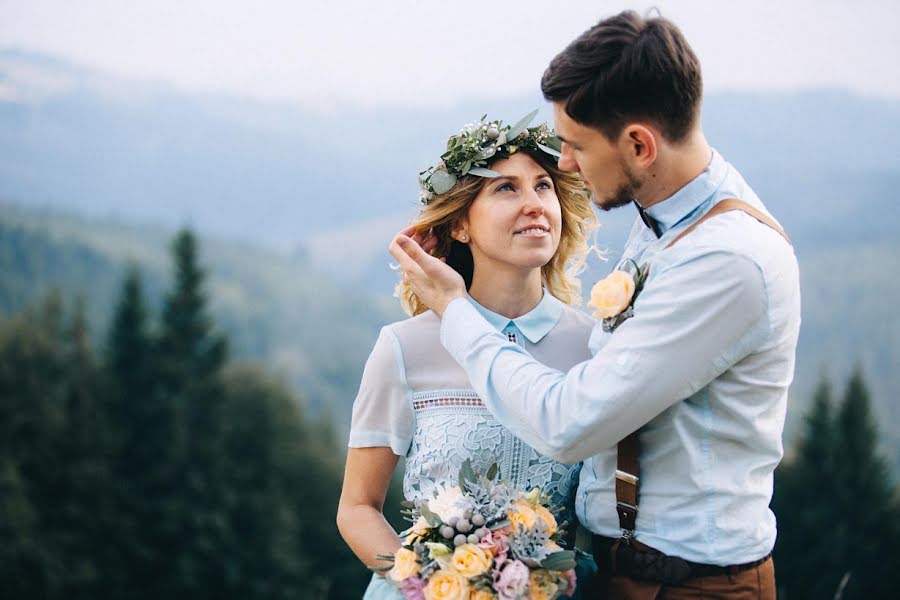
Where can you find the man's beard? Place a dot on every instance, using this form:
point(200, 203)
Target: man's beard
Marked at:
point(624, 195)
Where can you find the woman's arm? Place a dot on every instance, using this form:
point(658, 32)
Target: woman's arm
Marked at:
point(359, 517)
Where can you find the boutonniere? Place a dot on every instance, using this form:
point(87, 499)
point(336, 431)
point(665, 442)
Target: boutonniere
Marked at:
point(613, 296)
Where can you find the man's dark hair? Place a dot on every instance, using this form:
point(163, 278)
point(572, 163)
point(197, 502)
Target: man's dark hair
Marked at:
point(628, 68)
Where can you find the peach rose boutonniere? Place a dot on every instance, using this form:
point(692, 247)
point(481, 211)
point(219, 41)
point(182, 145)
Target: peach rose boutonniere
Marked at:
point(613, 296)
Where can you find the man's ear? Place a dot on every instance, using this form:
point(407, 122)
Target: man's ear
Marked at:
point(639, 144)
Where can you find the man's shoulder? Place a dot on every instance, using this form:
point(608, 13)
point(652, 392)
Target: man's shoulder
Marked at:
point(736, 234)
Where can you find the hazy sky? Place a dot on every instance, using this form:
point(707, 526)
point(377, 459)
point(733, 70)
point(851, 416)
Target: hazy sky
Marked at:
point(421, 53)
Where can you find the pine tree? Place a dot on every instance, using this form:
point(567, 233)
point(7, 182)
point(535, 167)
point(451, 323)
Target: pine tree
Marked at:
point(191, 356)
point(865, 497)
point(144, 426)
point(85, 448)
point(129, 344)
point(836, 516)
point(803, 503)
point(190, 348)
point(27, 426)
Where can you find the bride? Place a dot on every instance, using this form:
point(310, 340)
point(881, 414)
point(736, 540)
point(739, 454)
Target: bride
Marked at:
point(513, 225)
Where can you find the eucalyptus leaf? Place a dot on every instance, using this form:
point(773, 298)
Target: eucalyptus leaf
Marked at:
point(559, 561)
point(487, 152)
point(493, 469)
point(521, 125)
point(431, 518)
point(482, 172)
point(467, 474)
point(442, 182)
point(549, 150)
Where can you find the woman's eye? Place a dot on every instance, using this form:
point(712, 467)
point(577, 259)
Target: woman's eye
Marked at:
point(506, 187)
point(544, 185)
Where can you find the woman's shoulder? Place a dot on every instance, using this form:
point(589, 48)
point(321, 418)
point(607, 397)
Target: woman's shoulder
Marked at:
point(575, 319)
point(424, 326)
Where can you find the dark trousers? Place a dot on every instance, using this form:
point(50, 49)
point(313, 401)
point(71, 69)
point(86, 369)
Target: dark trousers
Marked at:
point(755, 583)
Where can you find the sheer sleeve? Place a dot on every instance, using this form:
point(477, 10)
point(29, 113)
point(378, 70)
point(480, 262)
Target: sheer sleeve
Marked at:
point(382, 412)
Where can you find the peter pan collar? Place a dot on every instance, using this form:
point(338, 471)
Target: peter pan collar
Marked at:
point(534, 324)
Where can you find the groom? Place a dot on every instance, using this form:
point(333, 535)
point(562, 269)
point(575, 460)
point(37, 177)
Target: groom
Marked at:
point(678, 417)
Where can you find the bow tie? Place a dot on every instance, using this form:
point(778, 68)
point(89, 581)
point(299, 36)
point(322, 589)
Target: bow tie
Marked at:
point(648, 220)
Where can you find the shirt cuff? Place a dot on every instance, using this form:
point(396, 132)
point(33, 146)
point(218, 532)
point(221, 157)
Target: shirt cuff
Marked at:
point(461, 326)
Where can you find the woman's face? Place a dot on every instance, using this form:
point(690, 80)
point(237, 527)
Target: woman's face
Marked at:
point(515, 220)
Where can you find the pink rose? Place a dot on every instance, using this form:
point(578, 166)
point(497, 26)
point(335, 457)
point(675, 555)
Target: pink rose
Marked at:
point(413, 588)
point(495, 542)
point(513, 580)
point(570, 576)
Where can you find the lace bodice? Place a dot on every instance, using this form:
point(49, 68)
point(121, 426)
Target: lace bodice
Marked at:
point(452, 426)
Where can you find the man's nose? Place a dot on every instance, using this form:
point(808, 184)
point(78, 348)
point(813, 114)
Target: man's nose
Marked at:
point(567, 159)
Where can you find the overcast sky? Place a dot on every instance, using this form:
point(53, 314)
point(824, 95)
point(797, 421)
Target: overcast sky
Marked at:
point(368, 54)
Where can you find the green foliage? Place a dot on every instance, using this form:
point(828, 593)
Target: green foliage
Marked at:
point(273, 308)
point(160, 469)
point(838, 514)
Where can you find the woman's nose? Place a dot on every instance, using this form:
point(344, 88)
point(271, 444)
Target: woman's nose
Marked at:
point(532, 203)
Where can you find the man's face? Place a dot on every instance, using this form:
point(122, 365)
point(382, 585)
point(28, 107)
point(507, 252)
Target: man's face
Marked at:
point(600, 162)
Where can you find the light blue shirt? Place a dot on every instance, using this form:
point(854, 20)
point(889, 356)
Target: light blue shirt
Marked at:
point(702, 369)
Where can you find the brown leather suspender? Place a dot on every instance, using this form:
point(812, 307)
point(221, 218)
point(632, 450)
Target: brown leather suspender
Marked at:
point(729, 205)
point(627, 467)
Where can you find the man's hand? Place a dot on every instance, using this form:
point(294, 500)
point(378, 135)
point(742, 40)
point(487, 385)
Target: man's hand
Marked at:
point(434, 282)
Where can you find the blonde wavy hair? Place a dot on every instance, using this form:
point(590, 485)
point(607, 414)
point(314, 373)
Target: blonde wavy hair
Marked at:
point(560, 275)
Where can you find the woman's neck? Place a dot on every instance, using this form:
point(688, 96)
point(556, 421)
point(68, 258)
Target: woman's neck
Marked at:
point(511, 293)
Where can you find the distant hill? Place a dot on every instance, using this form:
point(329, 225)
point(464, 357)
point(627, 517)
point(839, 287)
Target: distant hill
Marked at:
point(277, 310)
point(277, 175)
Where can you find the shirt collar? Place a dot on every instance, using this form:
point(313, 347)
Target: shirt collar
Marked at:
point(674, 209)
point(534, 324)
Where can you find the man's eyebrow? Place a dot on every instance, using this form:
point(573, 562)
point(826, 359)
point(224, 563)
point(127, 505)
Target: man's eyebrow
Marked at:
point(562, 139)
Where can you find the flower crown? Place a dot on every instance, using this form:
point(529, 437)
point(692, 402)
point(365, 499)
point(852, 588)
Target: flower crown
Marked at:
point(479, 143)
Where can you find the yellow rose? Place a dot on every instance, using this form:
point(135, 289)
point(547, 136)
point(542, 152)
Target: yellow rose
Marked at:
point(547, 518)
point(542, 585)
point(523, 514)
point(612, 295)
point(447, 585)
point(418, 529)
point(470, 560)
point(482, 595)
point(405, 565)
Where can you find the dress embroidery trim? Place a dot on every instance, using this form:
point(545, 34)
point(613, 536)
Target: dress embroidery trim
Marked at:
point(427, 403)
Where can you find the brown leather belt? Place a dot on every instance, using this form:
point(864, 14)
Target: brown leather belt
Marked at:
point(641, 562)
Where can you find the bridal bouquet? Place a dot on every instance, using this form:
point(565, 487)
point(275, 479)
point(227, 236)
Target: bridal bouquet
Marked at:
point(482, 539)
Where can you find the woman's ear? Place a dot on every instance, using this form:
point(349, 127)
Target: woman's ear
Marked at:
point(459, 232)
